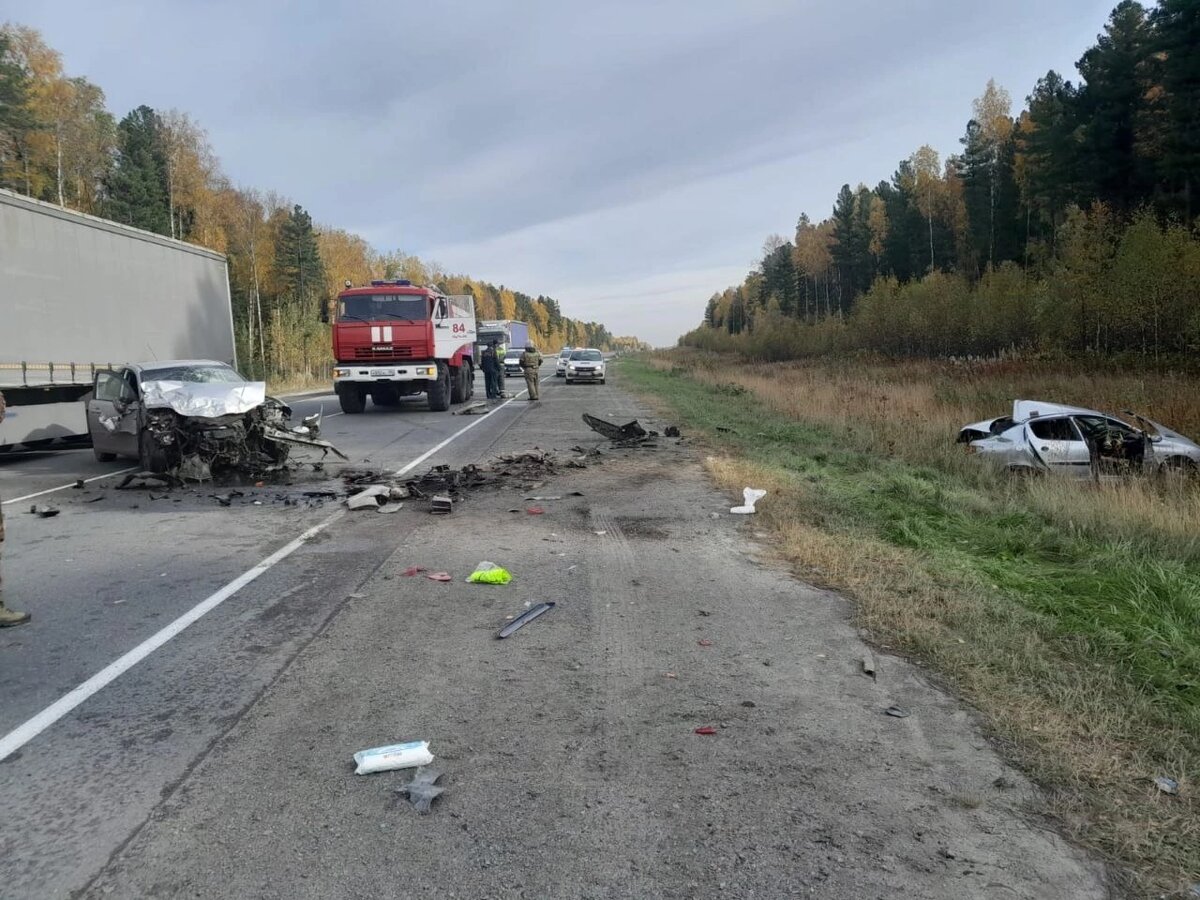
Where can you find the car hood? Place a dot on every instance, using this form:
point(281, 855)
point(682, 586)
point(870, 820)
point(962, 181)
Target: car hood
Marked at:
point(207, 401)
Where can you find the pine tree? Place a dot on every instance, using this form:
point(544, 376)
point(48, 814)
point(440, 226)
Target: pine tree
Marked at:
point(1177, 39)
point(137, 188)
point(299, 272)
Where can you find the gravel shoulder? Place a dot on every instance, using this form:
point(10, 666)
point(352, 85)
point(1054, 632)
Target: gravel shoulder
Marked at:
point(572, 764)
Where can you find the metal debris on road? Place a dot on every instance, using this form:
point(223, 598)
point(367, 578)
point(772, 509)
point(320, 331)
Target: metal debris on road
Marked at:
point(374, 496)
point(898, 712)
point(629, 434)
point(441, 505)
point(43, 512)
point(226, 499)
point(525, 618)
point(135, 480)
point(423, 789)
point(408, 755)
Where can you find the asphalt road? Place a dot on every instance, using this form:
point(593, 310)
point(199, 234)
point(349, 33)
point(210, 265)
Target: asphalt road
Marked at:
point(219, 764)
point(115, 567)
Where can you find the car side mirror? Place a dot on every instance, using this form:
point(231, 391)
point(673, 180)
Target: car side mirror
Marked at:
point(324, 313)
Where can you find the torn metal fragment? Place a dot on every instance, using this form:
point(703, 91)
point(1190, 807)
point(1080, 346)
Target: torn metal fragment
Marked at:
point(525, 618)
point(441, 505)
point(630, 431)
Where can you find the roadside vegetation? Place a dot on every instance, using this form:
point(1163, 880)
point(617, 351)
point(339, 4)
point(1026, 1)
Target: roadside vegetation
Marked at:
point(155, 169)
point(1068, 613)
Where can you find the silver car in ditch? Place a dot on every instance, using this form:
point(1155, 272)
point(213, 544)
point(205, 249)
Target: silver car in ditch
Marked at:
point(196, 413)
point(1041, 437)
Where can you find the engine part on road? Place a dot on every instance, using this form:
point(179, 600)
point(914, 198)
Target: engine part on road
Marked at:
point(525, 618)
point(423, 789)
point(408, 755)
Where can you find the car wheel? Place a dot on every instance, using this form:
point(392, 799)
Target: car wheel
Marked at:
point(154, 458)
point(1178, 467)
point(101, 456)
point(602, 381)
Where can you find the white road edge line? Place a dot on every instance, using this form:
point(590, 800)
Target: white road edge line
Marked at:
point(31, 728)
point(72, 484)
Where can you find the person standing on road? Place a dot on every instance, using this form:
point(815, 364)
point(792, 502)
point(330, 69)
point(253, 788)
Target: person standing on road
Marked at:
point(490, 363)
point(531, 362)
point(7, 616)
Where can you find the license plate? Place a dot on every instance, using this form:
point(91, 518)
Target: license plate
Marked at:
point(382, 373)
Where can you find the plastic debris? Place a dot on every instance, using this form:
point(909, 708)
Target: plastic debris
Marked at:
point(535, 511)
point(898, 712)
point(525, 618)
point(750, 496)
point(408, 755)
point(373, 496)
point(705, 729)
point(670, 675)
point(440, 576)
point(600, 533)
point(489, 573)
point(413, 570)
point(43, 512)
point(423, 789)
point(540, 499)
point(1167, 785)
point(390, 508)
point(704, 642)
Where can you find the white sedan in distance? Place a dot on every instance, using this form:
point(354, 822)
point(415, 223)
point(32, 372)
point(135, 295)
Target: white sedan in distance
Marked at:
point(585, 365)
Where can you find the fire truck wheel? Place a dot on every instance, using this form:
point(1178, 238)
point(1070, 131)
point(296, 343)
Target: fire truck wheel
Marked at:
point(352, 398)
point(439, 390)
point(461, 381)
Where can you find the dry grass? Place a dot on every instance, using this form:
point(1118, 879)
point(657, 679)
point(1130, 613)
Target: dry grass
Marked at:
point(1077, 642)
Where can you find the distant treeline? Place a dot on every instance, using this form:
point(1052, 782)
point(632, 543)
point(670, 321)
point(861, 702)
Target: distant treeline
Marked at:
point(1069, 228)
point(155, 170)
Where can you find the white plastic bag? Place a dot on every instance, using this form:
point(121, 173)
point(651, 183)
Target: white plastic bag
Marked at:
point(394, 756)
point(750, 496)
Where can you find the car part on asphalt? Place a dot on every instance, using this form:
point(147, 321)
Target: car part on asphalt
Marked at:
point(441, 504)
point(898, 712)
point(630, 432)
point(43, 512)
point(408, 755)
point(525, 618)
point(423, 789)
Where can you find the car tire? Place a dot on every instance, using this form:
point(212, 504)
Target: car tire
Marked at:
point(153, 457)
point(460, 384)
point(101, 456)
point(438, 392)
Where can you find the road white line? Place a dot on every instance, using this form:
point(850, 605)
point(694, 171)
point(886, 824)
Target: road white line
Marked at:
point(72, 484)
point(28, 730)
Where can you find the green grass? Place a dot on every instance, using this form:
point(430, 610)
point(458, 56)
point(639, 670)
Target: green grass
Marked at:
point(1116, 615)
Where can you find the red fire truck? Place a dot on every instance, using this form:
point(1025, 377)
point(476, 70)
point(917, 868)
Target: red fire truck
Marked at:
point(394, 339)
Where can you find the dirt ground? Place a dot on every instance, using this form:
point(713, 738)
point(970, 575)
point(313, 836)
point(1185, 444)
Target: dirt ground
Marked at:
point(572, 764)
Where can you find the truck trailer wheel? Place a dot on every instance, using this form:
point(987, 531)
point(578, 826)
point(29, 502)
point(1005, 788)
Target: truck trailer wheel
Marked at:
point(352, 398)
point(438, 391)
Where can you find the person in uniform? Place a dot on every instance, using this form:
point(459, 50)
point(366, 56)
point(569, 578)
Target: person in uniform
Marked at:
point(7, 616)
point(531, 362)
point(489, 362)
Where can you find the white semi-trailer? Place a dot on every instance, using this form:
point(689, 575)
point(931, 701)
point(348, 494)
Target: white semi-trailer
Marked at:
point(79, 294)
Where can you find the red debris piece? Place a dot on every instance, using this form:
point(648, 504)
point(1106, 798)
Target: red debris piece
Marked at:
point(440, 576)
point(706, 729)
point(704, 642)
point(413, 570)
point(535, 511)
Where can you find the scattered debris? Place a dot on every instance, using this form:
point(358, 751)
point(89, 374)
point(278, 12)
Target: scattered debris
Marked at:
point(525, 618)
point(600, 533)
point(1167, 785)
point(408, 755)
point(704, 642)
point(724, 430)
point(95, 499)
point(423, 789)
point(672, 431)
point(135, 480)
point(703, 612)
point(543, 499)
point(475, 409)
point(227, 499)
point(441, 505)
point(1003, 784)
point(629, 434)
point(413, 570)
point(43, 512)
point(489, 573)
point(79, 484)
point(390, 508)
point(535, 511)
point(868, 665)
point(374, 496)
point(750, 496)
point(749, 704)
point(898, 712)
point(670, 675)
point(440, 576)
point(705, 729)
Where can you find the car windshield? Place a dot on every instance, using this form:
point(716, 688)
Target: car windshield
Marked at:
point(384, 307)
point(202, 374)
point(565, 354)
point(587, 355)
point(512, 354)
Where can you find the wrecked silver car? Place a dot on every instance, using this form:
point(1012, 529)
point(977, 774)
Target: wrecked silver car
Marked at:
point(1041, 437)
point(190, 417)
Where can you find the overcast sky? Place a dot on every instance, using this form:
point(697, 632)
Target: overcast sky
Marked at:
point(628, 158)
